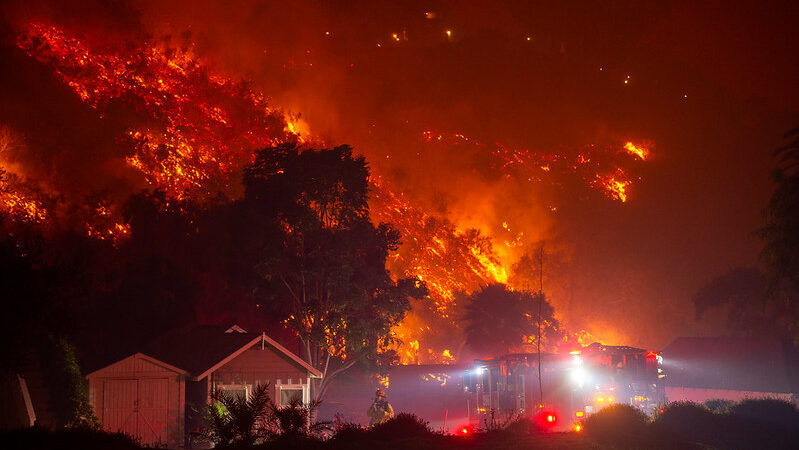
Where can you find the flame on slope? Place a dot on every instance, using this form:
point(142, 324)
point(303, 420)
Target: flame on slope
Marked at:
point(638, 150)
point(199, 128)
point(448, 259)
point(614, 185)
point(589, 162)
point(16, 199)
point(445, 257)
point(20, 207)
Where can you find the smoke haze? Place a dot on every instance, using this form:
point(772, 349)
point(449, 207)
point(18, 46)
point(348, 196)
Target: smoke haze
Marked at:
point(710, 89)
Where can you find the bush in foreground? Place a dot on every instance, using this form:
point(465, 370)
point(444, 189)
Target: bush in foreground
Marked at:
point(404, 426)
point(68, 438)
point(719, 405)
point(751, 424)
point(778, 412)
point(618, 424)
point(692, 422)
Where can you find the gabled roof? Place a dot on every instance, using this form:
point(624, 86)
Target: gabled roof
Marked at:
point(315, 373)
point(757, 365)
point(147, 358)
point(205, 348)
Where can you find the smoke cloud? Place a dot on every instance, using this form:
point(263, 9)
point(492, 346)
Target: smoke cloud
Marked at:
point(549, 79)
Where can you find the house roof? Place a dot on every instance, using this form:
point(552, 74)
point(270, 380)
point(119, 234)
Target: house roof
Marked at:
point(147, 358)
point(757, 365)
point(202, 349)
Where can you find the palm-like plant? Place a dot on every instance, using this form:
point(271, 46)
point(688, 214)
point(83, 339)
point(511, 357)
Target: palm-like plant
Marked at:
point(238, 419)
point(293, 421)
point(788, 154)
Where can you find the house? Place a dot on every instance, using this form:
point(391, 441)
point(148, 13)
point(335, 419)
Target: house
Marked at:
point(158, 395)
point(701, 369)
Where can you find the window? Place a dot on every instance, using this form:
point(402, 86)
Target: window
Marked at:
point(289, 395)
point(239, 390)
point(288, 392)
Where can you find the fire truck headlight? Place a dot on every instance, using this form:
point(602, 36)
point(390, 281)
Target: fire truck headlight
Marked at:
point(579, 376)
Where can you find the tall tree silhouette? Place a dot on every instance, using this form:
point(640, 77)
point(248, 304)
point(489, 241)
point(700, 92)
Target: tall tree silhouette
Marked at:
point(325, 275)
point(500, 320)
point(780, 231)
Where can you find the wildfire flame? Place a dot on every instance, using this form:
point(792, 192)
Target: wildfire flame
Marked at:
point(638, 151)
point(588, 162)
point(197, 128)
point(614, 185)
point(445, 257)
point(21, 208)
point(193, 129)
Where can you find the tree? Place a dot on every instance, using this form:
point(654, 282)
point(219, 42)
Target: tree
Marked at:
point(740, 294)
point(500, 320)
point(24, 301)
point(780, 231)
point(325, 275)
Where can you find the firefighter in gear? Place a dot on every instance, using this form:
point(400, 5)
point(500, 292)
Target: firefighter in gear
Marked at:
point(381, 410)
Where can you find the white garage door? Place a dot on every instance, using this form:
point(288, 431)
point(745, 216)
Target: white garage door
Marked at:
point(137, 407)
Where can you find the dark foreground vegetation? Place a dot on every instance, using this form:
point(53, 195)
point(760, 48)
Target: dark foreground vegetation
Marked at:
point(750, 424)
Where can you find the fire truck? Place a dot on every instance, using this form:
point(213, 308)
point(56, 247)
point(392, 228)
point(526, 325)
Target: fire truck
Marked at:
point(570, 385)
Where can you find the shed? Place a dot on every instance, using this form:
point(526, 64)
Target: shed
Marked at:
point(193, 362)
point(141, 396)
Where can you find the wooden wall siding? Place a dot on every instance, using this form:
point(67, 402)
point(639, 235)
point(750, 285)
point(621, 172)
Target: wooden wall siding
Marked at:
point(258, 366)
point(119, 406)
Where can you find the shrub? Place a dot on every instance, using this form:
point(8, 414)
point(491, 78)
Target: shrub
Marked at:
point(774, 411)
point(294, 420)
point(691, 422)
point(618, 424)
point(498, 421)
point(745, 427)
point(719, 405)
point(68, 396)
point(522, 426)
point(349, 432)
point(35, 438)
point(404, 426)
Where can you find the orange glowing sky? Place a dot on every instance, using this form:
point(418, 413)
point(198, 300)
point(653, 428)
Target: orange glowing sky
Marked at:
point(633, 140)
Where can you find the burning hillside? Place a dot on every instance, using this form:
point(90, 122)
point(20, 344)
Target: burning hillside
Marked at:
point(189, 132)
point(190, 129)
